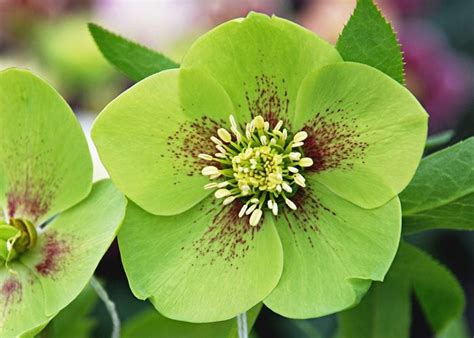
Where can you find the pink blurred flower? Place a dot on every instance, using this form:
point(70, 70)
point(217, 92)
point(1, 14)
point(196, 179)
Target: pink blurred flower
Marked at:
point(436, 74)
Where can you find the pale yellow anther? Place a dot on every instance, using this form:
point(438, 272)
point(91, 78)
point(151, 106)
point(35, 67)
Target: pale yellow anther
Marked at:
point(210, 186)
point(297, 144)
point(300, 136)
point(210, 170)
point(224, 135)
point(286, 187)
point(290, 204)
point(275, 209)
point(263, 139)
point(233, 123)
point(294, 156)
point(251, 209)
point(223, 184)
point(293, 170)
point(266, 125)
point(270, 204)
point(221, 149)
point(278, 125)
point(205, 157)
point(256, 216)
point(221, 193)
point(299, 179)
point(259, 122)
point(216, 140)
point(228, 200)
point(306, 162)
point(242, 210)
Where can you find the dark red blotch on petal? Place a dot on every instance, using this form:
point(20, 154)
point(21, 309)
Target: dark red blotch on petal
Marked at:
point(53, 253)
point(333, 140)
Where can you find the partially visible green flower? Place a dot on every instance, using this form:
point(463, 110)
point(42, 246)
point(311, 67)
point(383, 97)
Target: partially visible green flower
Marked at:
point(268, 170)
point(55, 229)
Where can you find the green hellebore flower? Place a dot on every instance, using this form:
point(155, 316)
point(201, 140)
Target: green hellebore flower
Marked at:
point(291, 201)
point(55, 229)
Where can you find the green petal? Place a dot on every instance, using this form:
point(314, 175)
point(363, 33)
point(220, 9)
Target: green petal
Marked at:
point(204, 265)
point(260, 61)
point(366, 132)
point(149, 138)
point(71, 246)
point(21, 301)
point(332, 251)
point(45, 165)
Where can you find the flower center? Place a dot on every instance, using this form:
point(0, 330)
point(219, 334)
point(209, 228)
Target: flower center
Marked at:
point(261, 166)
point(15, 238)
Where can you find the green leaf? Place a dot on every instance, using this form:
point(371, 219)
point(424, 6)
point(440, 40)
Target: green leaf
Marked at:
point(45, 164)
point(134, 60)
point(368, 38)
point(203, 265)
point(385, 310)
point(437, 290)
point(441, 195)
point(366, 130)
point(75, 321)
point(320, 242)
point(457, 329)
point(151, 324)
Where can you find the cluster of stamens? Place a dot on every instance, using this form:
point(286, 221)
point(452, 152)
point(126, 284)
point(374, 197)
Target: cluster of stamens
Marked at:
point(261, 166)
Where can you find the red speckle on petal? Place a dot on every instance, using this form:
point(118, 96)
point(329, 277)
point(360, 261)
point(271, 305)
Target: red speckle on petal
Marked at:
point(333, 141)
point(11, 291)
point(54, 251)
point(269, 99)
point(229, 237)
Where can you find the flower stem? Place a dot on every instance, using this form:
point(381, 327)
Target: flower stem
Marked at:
point(242, 325)
point(109, 305)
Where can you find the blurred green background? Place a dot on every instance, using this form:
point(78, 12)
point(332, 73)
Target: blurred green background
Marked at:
point(50, 37)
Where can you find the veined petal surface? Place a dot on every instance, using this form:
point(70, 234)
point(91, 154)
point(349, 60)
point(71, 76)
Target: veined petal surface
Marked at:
point(204, 265)
point(45, 165)
point(366, 132)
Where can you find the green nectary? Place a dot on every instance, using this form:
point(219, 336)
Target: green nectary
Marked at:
point(16, 238)
point(355, 137)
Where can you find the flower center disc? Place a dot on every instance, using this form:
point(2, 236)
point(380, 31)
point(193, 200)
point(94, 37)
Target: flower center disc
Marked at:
point(16, 238)
point(262, 166)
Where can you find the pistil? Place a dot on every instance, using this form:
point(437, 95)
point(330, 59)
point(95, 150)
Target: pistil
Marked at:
point(260, 166)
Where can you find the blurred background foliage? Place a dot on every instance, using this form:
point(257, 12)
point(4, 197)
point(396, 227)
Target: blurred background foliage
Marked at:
point(50, 37)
